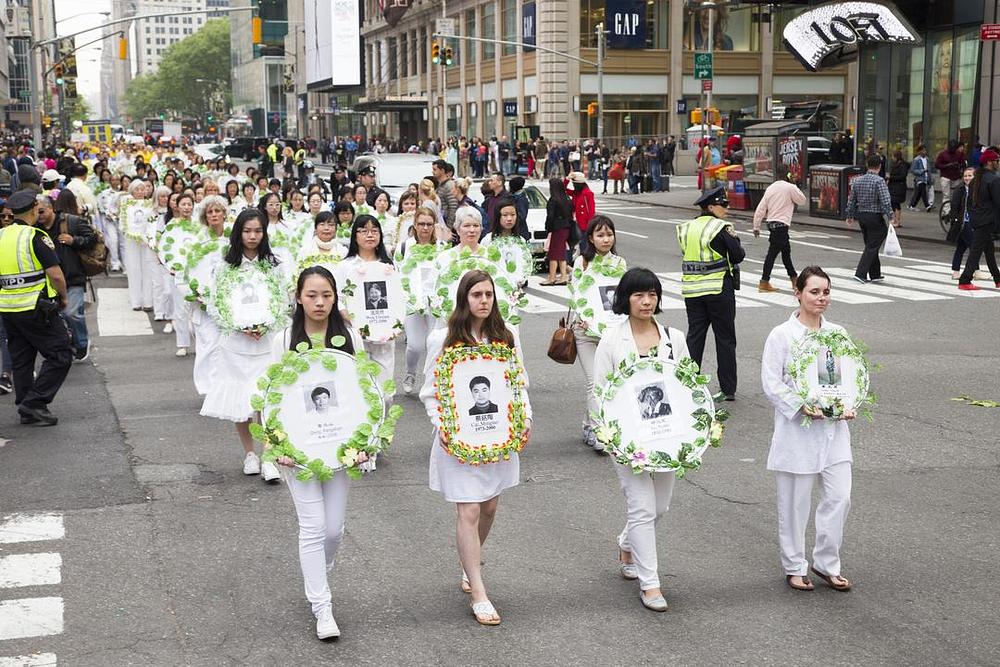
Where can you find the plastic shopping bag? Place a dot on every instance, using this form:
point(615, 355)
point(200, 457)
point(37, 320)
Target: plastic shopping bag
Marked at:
point(891, 247)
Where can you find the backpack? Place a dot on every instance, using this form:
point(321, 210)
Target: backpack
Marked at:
point(5, 183)
point(94, 259)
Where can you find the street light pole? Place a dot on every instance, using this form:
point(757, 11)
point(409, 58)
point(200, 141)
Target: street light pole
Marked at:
point(710, 6)
point(599, 29)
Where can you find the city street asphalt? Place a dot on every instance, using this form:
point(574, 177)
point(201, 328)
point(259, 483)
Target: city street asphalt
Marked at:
point(171, 556)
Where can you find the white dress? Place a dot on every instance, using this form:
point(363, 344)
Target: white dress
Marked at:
point(459, 482)
point(235, 365)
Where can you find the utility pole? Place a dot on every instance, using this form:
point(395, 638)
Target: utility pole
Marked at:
point(442, 72)
point(706, 117)
point(599, 29)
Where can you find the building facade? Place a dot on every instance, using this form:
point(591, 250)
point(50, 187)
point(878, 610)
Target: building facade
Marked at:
point(258, 70)
point(154, 36)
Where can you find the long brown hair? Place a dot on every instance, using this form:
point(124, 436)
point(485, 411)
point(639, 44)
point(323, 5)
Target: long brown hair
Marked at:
point(460, 322)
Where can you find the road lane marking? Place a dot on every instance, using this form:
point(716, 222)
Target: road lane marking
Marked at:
point(115, 316)
point(622, 231)
point(19, 570)
point(36, 660)
point(940, 279)
point(672, 284)
point(841, 293)
point(17, 528)
point(887, 290)
point(31, 617)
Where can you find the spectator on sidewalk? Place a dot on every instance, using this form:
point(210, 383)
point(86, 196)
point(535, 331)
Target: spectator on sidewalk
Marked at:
point(950, 163)
point(653, 162)
point(898, 169)
point(667, 156)
point(921, 170)
point(868, 204)
point(776, 208)
point(984, 207)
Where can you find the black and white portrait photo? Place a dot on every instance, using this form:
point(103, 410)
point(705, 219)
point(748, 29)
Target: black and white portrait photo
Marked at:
point(607, 296)
point(248, 294)
point(480, 387)
point(829, 368)
point(320, 398)
point(652, 401)
point(375, 295)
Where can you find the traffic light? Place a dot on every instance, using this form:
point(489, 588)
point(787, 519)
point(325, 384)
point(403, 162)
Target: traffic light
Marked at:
point(447, 56)
point(122, 48)
point(71, 67)
point(59, 70)
point(592, 109)
point(714, 116)
point(696, 117)
point(257, 30)
point(435, 52)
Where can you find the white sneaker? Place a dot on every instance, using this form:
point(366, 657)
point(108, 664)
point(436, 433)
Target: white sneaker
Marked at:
point(269, 472)
point(409, 382)
point(181, 352)
point(326, 626)
point(251, 464)
point(168, 328)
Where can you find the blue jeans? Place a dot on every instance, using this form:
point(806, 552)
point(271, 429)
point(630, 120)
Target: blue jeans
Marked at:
point(654, 172)
point(8, 365)
point(75, 316)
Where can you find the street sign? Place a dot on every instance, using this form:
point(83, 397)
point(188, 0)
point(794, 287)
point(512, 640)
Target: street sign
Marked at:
point(682, 106)
point(445, 27)
point(703, 65)
point(989, 32)
point(706, 85)
point(510, 109)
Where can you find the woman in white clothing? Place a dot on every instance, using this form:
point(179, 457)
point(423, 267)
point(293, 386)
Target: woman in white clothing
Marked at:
point(137, 215)
point(367, 248)
point(242, 357)
point(647, 495)
point(323, 241)
point(419, 321)
point(163, 301)
point(191, 316)
point(386, 220)
point(801, 456)
point(475, 490)
point(599, 251)
point(469, 227)
point(321, 506)
point(107, 204)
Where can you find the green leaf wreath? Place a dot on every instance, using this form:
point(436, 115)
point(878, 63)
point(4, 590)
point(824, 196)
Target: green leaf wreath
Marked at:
point(708, 421)
point(582, 280)
point(226, 280)
point(488, 260)
point(372, 436)
point(445, 393)
point(417, 255)
point(201, 251)
point(179, 238)
point(803, 355)
point(522, 248)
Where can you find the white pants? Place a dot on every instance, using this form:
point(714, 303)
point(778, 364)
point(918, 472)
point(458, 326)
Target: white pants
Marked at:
point(321, 507)
point(163, 292)
point(946, 186)
point(794, 503)
point(647, 497)
point(207, 337)
point(181, 315)
point(385, 354)
point(586, 349)
point(138, 258)
point(113, 240)
point(417, 328)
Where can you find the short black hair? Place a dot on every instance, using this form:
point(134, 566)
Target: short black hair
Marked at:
point(479, 379)
point(318, 391)
point(874, 161)
point(635, 280)
point(444, 166)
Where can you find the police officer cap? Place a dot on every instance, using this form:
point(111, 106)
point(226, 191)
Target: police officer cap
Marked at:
point(22, 201)
point(367, 171)
point(713, 196)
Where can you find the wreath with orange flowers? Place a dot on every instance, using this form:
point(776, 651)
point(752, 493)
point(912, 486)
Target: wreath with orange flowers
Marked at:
point(444, 372)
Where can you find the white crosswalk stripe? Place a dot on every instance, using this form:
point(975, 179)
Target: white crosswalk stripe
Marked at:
point(25, 617)
point(886, 289)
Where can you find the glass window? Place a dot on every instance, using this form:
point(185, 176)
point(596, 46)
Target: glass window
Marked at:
point(509, 20)
point(591, 13)
point(404, 62)
point(780, 17)
point(490, 117)
point(393, 71)
point(470, 31)
point(489, 30)
point(734, 30)
point(964, 90)
point(423, 55)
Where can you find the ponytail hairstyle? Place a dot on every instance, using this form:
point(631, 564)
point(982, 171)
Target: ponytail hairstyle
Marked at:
point(335, 324)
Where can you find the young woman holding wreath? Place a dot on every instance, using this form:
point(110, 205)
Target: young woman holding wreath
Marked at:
point(475, 490)
point(647, 494)
point(320, 506)
point(800, 456)
point(240, 358)
point(598, 255)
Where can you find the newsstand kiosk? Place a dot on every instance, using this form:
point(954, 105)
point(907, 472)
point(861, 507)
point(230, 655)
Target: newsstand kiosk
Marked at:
point(829, 186)
point(771, 150)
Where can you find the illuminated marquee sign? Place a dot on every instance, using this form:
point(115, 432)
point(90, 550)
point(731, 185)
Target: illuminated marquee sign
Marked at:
point(831, 33)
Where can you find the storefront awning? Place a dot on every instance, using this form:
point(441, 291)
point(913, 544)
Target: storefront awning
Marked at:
point(390, 103)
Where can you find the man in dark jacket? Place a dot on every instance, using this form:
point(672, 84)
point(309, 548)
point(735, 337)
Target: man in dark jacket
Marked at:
point(950, 163)
point(78, 235)
point(493, 192)
point(984, 211)
point(521, 204)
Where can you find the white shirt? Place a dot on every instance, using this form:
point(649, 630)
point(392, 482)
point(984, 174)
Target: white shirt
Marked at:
point(618, 342)
point(795, 448)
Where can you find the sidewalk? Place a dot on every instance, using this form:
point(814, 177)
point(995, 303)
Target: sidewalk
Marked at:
point(917, 225)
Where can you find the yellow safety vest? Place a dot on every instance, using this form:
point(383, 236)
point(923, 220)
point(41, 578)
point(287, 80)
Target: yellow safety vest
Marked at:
point(702, 267)
point(22, 277)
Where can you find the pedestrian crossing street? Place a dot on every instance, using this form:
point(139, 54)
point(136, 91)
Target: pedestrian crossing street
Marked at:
point(28, 560)
point(914, 283)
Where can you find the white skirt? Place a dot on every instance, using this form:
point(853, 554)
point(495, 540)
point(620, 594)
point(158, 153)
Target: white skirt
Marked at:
point(463, 483)
point(207, 337)
point(234, 381)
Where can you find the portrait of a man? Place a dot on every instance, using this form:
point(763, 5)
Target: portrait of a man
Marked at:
point(480, 388)
point(375, 293)
point(652, 403)
point(320, 399)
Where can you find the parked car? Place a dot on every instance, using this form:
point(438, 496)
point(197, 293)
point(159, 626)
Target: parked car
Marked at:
point(819, 150)
point(536, 219)
point(245, 148)
point(209, 151)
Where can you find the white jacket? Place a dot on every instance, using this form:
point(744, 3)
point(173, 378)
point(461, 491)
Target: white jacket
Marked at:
point(618, 342)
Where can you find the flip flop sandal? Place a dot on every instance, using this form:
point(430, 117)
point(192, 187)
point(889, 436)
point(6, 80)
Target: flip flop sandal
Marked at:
point(843, 588)
point(482, 611)
point(809, 586)
point(465, 585)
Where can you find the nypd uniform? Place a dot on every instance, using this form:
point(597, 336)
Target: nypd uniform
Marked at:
point(30, 307)
point(711, 252)
point(375, 190)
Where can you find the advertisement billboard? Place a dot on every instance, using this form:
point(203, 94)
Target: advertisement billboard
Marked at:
point(330, 22)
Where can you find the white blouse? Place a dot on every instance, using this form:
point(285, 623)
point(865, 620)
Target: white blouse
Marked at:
point(618, 342)
point(795, 448)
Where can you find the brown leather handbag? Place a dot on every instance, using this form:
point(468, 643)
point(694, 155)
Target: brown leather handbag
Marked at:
point(562, 347)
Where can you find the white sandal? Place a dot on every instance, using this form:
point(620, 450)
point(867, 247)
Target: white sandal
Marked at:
point(465, 585)
point(628, 570)
point(659, 603)
point(483, 610)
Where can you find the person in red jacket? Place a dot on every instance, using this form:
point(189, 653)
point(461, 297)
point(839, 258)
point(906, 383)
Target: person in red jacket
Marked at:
point(583, 203)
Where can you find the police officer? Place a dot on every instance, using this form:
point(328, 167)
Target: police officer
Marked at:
point(32, 293)
point(710, 277)
point(366, 177)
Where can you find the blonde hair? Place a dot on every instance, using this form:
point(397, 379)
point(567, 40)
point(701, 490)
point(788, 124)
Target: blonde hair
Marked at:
point(211, 201)
point(463, 184)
